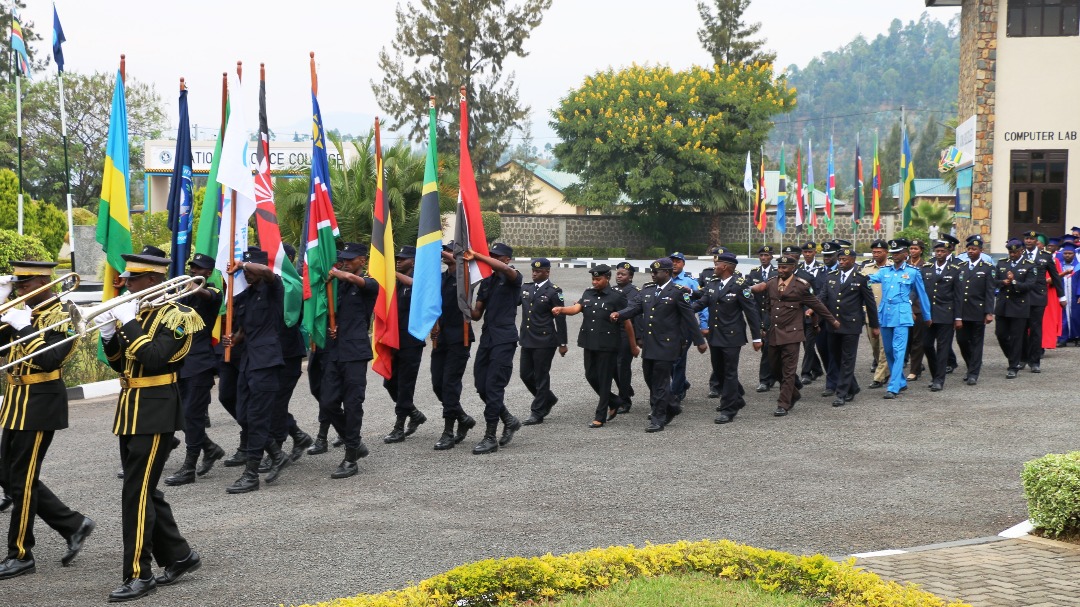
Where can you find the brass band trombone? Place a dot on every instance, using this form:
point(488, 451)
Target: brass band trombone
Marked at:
point(66, 289)
point(81, 319)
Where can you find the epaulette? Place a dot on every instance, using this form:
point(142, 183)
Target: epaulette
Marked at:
point(55, 314)
point(836, 272)
point(927, 264)
point(556, 287)
point(684, 288)
point(181, 320)
point(714, 278)
point(803, 280)
point(648, 284)
point(739, 280)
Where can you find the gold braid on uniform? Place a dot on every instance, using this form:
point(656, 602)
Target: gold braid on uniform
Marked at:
point(182, 321)
point(60, 314)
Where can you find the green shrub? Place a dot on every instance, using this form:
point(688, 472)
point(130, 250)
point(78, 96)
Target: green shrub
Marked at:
point(492, 225)
point(512, 581)
point(84, 367)
point(150, 229)
point(565, 252)
point(1051, 486)
point(14, 247)
point(83, 217)
point(655, 252)
point(913, 233)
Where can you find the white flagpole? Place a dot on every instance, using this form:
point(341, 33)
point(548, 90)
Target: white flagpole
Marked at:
point(18, 135)
point(67, 172)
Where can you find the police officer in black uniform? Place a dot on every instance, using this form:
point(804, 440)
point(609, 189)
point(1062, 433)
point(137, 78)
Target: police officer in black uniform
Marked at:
point(35, 406)
point(197, 378)
point(1015, 278)
point(293, 351)
point(449, 356)
point(667, 320)
point(1046, 273)
point(147, 345)
point(813, 366)
point(402, 383)
point(977, 311)
point(624, 283)
point(846, 293)
point(943, 289)
point(599, 337)
point(541, 333)
point(760, 274)
point(497, 300)
point(729, 301)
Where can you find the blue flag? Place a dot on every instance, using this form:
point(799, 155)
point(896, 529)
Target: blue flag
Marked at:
point(57, 39)
point(427, 285)
point(180, 194)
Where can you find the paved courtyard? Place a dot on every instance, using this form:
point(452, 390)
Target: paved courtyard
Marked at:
point(876, 474)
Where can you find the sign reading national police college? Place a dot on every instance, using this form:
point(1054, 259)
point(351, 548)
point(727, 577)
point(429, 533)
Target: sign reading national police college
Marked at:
point(285, 157)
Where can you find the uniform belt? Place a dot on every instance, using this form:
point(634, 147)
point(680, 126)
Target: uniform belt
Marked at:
point(147, 382)
point(32, 378)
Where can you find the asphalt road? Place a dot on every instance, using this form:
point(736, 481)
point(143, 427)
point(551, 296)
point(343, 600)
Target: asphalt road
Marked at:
point(872, 475)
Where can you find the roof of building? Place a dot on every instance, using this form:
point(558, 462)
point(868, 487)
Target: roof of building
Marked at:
point(556, 179)
point(927, 188)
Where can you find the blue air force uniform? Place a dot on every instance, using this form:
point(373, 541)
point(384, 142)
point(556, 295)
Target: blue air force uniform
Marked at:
point(895, 313)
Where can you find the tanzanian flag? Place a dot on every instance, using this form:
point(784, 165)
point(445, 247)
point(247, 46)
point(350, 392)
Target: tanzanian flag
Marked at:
point(114, 212)
point(427, 292)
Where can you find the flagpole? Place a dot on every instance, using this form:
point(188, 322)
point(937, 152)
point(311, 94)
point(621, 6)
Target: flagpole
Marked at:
point(18, 131)
point(232, 248)
point(331, 314)
point(749, 226)
point(67, 168)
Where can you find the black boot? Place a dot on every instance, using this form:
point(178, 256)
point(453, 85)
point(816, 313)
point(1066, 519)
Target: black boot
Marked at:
point(300, 441)
point(338, 442)
point(278, 461)
point(248, 481)
point(239, 458)
point(211, 454)
point(465, 423)
point(265, 463)
point(511, 425)
point(489, 444)
point(348, 466)
point(320, 446)
point(186, 473)
point(5, 501)
point(446, 441)
point(415, 419)
point(397, 435)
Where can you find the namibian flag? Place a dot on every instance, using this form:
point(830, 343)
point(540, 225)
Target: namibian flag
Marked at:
point(382, 267)
point(320, 252)
point(427, 293)
point(114, 214)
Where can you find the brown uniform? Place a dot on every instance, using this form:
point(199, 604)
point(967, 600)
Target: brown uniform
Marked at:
point(786, 330)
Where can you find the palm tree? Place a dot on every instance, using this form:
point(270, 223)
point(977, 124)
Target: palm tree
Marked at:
point(927, 213)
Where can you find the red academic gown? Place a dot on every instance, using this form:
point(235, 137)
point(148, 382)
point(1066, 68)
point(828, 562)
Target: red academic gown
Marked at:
point(1052, 317)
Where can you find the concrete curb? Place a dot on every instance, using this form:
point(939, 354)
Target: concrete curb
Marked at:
point(1018, 531)
point(94, 390)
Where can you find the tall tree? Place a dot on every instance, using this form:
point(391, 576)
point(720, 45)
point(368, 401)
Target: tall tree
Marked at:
point(441, 45)
point(927, 152)
point(522, 190)
point(726, 37)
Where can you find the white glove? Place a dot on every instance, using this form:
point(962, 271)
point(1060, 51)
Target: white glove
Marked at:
point(17, 318)
point(108, 329)
point(126, 312)
point(7, 284)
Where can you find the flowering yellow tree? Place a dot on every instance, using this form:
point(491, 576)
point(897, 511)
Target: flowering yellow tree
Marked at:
point(657, 141)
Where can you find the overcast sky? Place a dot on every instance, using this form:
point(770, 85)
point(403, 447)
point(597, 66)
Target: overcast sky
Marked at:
point(199, 39)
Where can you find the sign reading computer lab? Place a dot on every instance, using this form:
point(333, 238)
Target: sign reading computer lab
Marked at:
point(1025, 136)
point(285, 157)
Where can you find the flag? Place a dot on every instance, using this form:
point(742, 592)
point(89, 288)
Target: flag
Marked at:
point(382, 266)
point(426, 293)
point(748, 176)
point(234, 175)
point(830, 191)
point(810, 186)
point(760, 215)
point(800, 202)
point(206, 238)
point(180, 194)
point(907, 182)
point(781, 196)
point(266, 223)
point(876, 183)
point(858, 202)
point(18, 46)
point(473, 236)
point(114, 214)
point(320, 249)
point(57, 39)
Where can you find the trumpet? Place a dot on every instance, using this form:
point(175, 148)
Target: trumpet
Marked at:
point(83, 320)
point(66, 289)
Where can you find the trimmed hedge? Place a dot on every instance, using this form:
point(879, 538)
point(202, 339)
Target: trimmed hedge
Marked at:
point(517, 580)
point(594, 252)
point(1051, 486)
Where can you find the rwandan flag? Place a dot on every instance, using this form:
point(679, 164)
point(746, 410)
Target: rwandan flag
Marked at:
point(114, 213)
point(180, 194)
point(427, 292)
point(382, 267)
point(320, 250)
point(907, 181)
point(18, 46)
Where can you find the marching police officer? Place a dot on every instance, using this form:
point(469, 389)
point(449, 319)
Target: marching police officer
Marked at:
point(847, 295)
point(732, 309)
point(943, 288)
point(668, 319)
point(1016, 278)
point(293, 351)
point(624, 283)
point(1046, 273)
point(879, 259)
point(450, 354)
point(35, 406)
point(760, 274)
point(541, 333)
point(977, 310)
point(916, 252)
point(679, 383)
point(900, 284)
point(402, 383)
point(811, 364)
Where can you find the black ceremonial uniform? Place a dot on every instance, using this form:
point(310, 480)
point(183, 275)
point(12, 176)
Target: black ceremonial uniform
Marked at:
point(402, 382)
point(259, 310)
point(977, 280)
point(623, 367)
point(600, 339)
point(729, 303)
point(540, 335)
point(282, 422)
point(1012, 309)
point(766, 374)
point(149, 352)
point(197, 374)
point(1046, 272)
point(35, 406)
point(944, 290)
point(849, 297)
point(449, 356)
point(495, 356)
point(345, 366)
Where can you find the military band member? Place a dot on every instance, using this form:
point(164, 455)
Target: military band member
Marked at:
point(900, 285)
point(846, 293)
point(1046, 274)
point(147, 346)
point(624, 283)
point(786, 294)
point(879, 259)
point(35, 406)
point(667, 320)
point(599, 337)
point(402, 382)
point(766, 374)
point(943, 288)
point(449, 356)
point(541, 333)
point(1016, 279)
point(977, 311)
point(732, 309)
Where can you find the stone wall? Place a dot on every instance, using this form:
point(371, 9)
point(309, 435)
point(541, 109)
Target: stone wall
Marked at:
point(89, 258)
point(978, 71)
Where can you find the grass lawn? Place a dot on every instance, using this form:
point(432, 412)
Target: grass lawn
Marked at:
point(690, 590)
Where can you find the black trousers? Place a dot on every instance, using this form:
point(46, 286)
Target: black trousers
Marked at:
point(970, 339)
point(228, 383)
point(937, 341)
point(725, 366)
point(658, 376)
point(491, 373)
point(600, 373)
point(341, 399)
point(447, 368)
point(1010, 336)
point(1032, 348)
point(149, 526)
point(257, 395)
point(195, 399)
point(766, 373)
point(402, 383)
point(535, 372)
point(812, 366)
point(843, 348)
point(281, 421)
point(915, 345)
point(624, 373)
point(21, 455)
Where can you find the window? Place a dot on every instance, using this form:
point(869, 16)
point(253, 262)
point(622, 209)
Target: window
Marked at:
point(1037, 190)
point(1036, 18)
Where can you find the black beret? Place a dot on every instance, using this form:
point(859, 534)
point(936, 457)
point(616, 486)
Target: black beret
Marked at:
point(600, 269)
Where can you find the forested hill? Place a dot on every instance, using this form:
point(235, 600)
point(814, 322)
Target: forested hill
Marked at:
point(859, 88)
